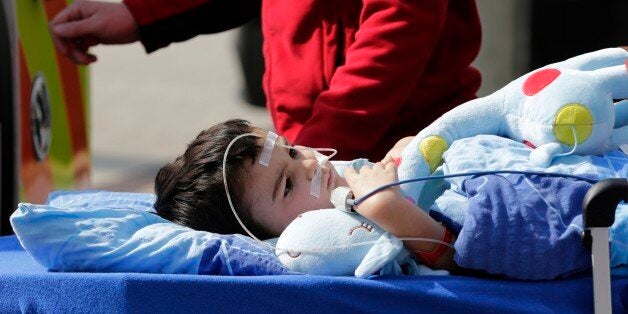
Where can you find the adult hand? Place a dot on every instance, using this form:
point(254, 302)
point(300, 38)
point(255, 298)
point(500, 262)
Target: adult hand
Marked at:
point(395, 152)
point(88, 23)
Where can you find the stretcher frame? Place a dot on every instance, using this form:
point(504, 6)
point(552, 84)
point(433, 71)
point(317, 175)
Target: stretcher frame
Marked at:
point(599, 206)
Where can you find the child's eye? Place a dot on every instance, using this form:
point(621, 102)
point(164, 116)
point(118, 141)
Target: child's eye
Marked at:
point(293, 152)
point(288, 187)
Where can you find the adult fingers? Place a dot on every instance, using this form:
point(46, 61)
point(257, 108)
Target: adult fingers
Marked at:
point(91, 58)
point(81, 57)
point(62, 45)
point(70, 13)
point(74, 38)
point(75, 29)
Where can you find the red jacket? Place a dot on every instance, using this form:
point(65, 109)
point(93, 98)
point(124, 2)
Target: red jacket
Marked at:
point(350, 74)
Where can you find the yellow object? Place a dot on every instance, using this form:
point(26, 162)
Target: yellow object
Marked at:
point(432, 149)
point(570, 117)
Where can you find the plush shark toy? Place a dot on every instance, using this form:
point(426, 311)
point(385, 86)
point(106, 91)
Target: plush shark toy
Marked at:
point(337, 243)
point(567, 107)
point(334, 242)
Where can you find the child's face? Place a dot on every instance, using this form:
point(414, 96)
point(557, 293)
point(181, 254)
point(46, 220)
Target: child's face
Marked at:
point(280, 192)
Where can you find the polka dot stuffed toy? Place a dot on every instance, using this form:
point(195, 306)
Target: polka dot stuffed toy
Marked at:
point(577, 106)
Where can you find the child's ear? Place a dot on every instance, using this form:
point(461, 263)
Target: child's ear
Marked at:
point(385, 249)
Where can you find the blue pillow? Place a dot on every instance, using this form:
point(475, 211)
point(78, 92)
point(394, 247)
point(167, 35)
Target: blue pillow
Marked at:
point(100, 231)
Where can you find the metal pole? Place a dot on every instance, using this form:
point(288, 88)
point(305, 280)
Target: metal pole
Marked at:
point(601, 271)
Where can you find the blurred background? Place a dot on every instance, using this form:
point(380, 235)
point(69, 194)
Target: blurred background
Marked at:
point(144, 109)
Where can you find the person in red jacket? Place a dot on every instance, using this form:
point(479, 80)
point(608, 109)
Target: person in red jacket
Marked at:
point(357, 75)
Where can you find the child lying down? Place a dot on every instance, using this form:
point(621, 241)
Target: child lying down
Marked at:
point(563, 109)
point(190, 191)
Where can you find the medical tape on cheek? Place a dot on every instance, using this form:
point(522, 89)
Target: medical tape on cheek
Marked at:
point(315, 187)
point(267, 151)
point(320, 158)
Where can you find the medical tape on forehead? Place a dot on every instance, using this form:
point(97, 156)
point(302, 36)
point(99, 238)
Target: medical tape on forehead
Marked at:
point(267, 151)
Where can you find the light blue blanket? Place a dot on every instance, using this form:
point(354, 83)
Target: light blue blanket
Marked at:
point(504, 219)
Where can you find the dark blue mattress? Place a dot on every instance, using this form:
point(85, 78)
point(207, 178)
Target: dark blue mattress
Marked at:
point(28, 287)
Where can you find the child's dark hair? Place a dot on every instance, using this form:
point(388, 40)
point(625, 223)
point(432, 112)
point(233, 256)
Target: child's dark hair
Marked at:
point(190, 190)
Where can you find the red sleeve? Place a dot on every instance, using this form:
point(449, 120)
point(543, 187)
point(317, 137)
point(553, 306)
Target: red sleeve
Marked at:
point(392, 47)
point(162, 22)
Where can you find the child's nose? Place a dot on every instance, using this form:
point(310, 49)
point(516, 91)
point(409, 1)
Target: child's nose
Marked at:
point(310, 165)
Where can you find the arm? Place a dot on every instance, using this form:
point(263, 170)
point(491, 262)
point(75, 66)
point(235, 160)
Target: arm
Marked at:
point(392, 47)
point(156, 23)
point(391, 211)
point(162, 22)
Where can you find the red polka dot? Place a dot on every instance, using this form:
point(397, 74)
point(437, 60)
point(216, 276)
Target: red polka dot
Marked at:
point(539, 80)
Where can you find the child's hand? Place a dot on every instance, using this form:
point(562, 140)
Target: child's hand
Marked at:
point(395, 152)
point(390, 210)
point(368, 179)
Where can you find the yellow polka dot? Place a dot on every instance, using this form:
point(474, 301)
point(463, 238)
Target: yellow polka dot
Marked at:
point(573, 116)
point(432, 149)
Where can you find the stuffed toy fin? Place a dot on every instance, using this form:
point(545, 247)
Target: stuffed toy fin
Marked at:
point(385, 250)
point(564, 108)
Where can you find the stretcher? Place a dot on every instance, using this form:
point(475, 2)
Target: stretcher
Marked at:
point(29, 287)
point(32, 166)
